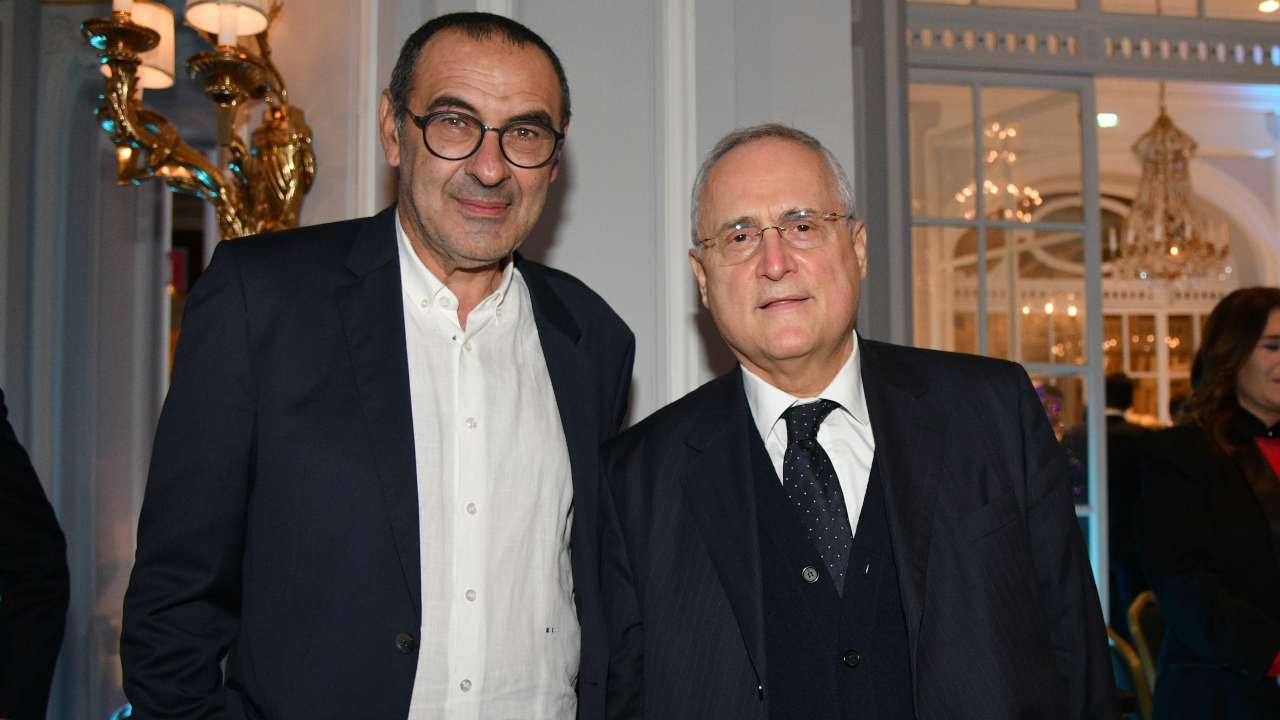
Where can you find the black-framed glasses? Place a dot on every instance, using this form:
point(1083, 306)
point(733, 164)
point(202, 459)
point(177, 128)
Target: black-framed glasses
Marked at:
point(803, 231)
point(453, 135)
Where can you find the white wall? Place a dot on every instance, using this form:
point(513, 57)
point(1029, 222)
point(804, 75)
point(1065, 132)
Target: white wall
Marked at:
point(654, 85)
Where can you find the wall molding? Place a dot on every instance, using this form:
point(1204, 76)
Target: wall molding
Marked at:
point(364, 148)
point(680, 368)
point(7, 91)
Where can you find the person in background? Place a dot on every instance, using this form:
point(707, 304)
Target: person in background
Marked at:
point(34, 583)
point(1124, 452)
point(1209, 522)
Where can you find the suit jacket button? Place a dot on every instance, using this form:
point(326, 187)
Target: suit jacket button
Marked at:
point(809, 574)
point(851, 659)
point(406, 643)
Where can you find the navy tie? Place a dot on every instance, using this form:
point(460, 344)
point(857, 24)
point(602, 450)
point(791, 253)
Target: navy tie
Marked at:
point(810, 481)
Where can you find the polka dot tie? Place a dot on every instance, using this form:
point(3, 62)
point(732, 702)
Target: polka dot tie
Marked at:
point(810, 482)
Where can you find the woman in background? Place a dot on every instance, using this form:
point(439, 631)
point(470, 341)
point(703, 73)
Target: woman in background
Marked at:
point(1209, 522)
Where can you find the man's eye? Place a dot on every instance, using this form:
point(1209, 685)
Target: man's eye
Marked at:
point(801, 227)
point(737, 237)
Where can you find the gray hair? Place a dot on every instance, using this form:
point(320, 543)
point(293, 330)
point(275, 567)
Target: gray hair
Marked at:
point(742, 136)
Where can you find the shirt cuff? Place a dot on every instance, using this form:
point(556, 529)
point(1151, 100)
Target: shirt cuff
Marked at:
point(1274, 672)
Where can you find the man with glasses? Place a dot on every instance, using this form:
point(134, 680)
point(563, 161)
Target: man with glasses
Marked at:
point(837, 528)
point(375, 479)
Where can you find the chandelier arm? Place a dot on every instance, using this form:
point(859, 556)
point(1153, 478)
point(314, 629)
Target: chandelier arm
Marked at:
point(154, 140)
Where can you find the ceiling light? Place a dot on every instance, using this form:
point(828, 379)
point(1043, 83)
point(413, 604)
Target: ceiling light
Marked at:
point(1269, 6)
point(1110, 120)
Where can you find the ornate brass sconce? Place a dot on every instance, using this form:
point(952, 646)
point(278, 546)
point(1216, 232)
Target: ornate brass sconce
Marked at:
point(264, 182)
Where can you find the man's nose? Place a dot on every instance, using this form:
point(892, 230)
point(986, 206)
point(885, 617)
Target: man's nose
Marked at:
point(775, 255)
point(487, 165)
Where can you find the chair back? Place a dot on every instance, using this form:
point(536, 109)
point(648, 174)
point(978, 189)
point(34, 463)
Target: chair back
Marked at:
point(1122, 652)
point(1146, 626)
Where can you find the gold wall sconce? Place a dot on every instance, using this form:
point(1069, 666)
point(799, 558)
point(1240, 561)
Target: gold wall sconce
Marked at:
point(265, 180)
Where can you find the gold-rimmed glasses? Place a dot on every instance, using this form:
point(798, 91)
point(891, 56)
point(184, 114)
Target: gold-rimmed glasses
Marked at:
point(741, 240)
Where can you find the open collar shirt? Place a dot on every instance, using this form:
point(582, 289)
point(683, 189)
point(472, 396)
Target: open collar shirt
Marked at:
point(500, 634)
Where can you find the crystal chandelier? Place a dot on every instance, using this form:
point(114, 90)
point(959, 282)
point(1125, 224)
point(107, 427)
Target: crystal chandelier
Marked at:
point(264, 181)
point(1012, 201)
point(1165, 236)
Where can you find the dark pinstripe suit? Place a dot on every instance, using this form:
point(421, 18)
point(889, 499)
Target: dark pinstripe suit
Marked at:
point(1002, 617)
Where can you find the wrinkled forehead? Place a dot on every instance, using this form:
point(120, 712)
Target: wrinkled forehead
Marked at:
point(766, 178)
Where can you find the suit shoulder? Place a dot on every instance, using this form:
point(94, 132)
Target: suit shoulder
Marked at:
point(285, 249)
point(674, 421)
point(577, 295)
point(940, 367)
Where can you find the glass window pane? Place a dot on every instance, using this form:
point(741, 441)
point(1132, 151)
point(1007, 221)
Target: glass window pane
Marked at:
point(1036, 4)
point(1181, 342)
point(1238, 10)
point(1184, 8)
point(1063, 399)
point(1049, 273)
point(1144, 400)
point(1142, 344)
point(941, 126)
point(1112, 350)
point(1028, 135)
point(945, 287)
point(998, 334)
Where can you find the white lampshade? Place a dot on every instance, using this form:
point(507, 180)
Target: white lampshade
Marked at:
point(155, 71)
point(250, 15)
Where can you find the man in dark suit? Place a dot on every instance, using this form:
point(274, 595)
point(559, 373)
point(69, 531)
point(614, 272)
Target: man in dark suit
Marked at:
point(34, 584)
point(375, 477)
point(838, 527)
point(1125, 443)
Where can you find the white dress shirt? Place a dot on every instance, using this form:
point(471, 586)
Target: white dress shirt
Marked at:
point(845, 434)
point(499, 636)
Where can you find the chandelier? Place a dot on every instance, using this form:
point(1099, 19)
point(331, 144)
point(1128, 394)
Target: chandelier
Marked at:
point(264, 181)
point(1011, 200)
point(1165, 236)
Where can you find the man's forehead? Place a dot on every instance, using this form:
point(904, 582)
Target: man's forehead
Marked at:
point(492, 68)
point(769, 176)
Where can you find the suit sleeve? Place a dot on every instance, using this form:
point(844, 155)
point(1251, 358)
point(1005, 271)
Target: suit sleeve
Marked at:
point(624, 698)
point(1176, 540)
point(1062, 570)
point(622, 386)
point(34, 583)
point(181, 610)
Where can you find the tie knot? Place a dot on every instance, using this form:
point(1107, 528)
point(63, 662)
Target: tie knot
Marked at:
point(803, 420)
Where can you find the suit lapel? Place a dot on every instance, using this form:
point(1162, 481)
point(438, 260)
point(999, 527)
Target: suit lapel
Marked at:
point(908, 447)
point(373, 320)
point(559, 334)
point(719, 485)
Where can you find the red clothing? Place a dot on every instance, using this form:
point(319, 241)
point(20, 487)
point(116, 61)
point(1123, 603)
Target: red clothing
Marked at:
point(1270, 448)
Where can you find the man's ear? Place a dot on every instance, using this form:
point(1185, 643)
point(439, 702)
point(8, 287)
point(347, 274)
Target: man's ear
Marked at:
point(555, 164)
point(700, 274)
point(388, 133)
point(860, 246)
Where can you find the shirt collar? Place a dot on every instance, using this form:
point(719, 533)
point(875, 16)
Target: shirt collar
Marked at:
point(768, 403)
point(422, 284)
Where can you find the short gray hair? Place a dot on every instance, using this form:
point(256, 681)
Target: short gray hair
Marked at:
point(742, 136)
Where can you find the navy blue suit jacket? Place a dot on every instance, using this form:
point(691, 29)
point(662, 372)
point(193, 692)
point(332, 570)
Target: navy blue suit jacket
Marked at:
point(1002, 616)
point(280, 522)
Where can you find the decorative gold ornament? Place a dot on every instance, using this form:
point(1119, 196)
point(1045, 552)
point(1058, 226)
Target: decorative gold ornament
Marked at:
point(264, 183)
point(1165, 236)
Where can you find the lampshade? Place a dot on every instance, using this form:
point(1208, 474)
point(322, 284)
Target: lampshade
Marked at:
point(155, 71)
point(250, 15)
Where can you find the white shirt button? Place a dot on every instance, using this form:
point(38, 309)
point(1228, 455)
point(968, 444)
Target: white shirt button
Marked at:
point(471, 595)
point(467, 346)
point(425, 302)
point(470, 423)
point(471, 508)
point(446, 302)
point(465, 686)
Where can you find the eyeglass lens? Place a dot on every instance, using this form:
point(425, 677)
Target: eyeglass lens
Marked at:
point(454, 136)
